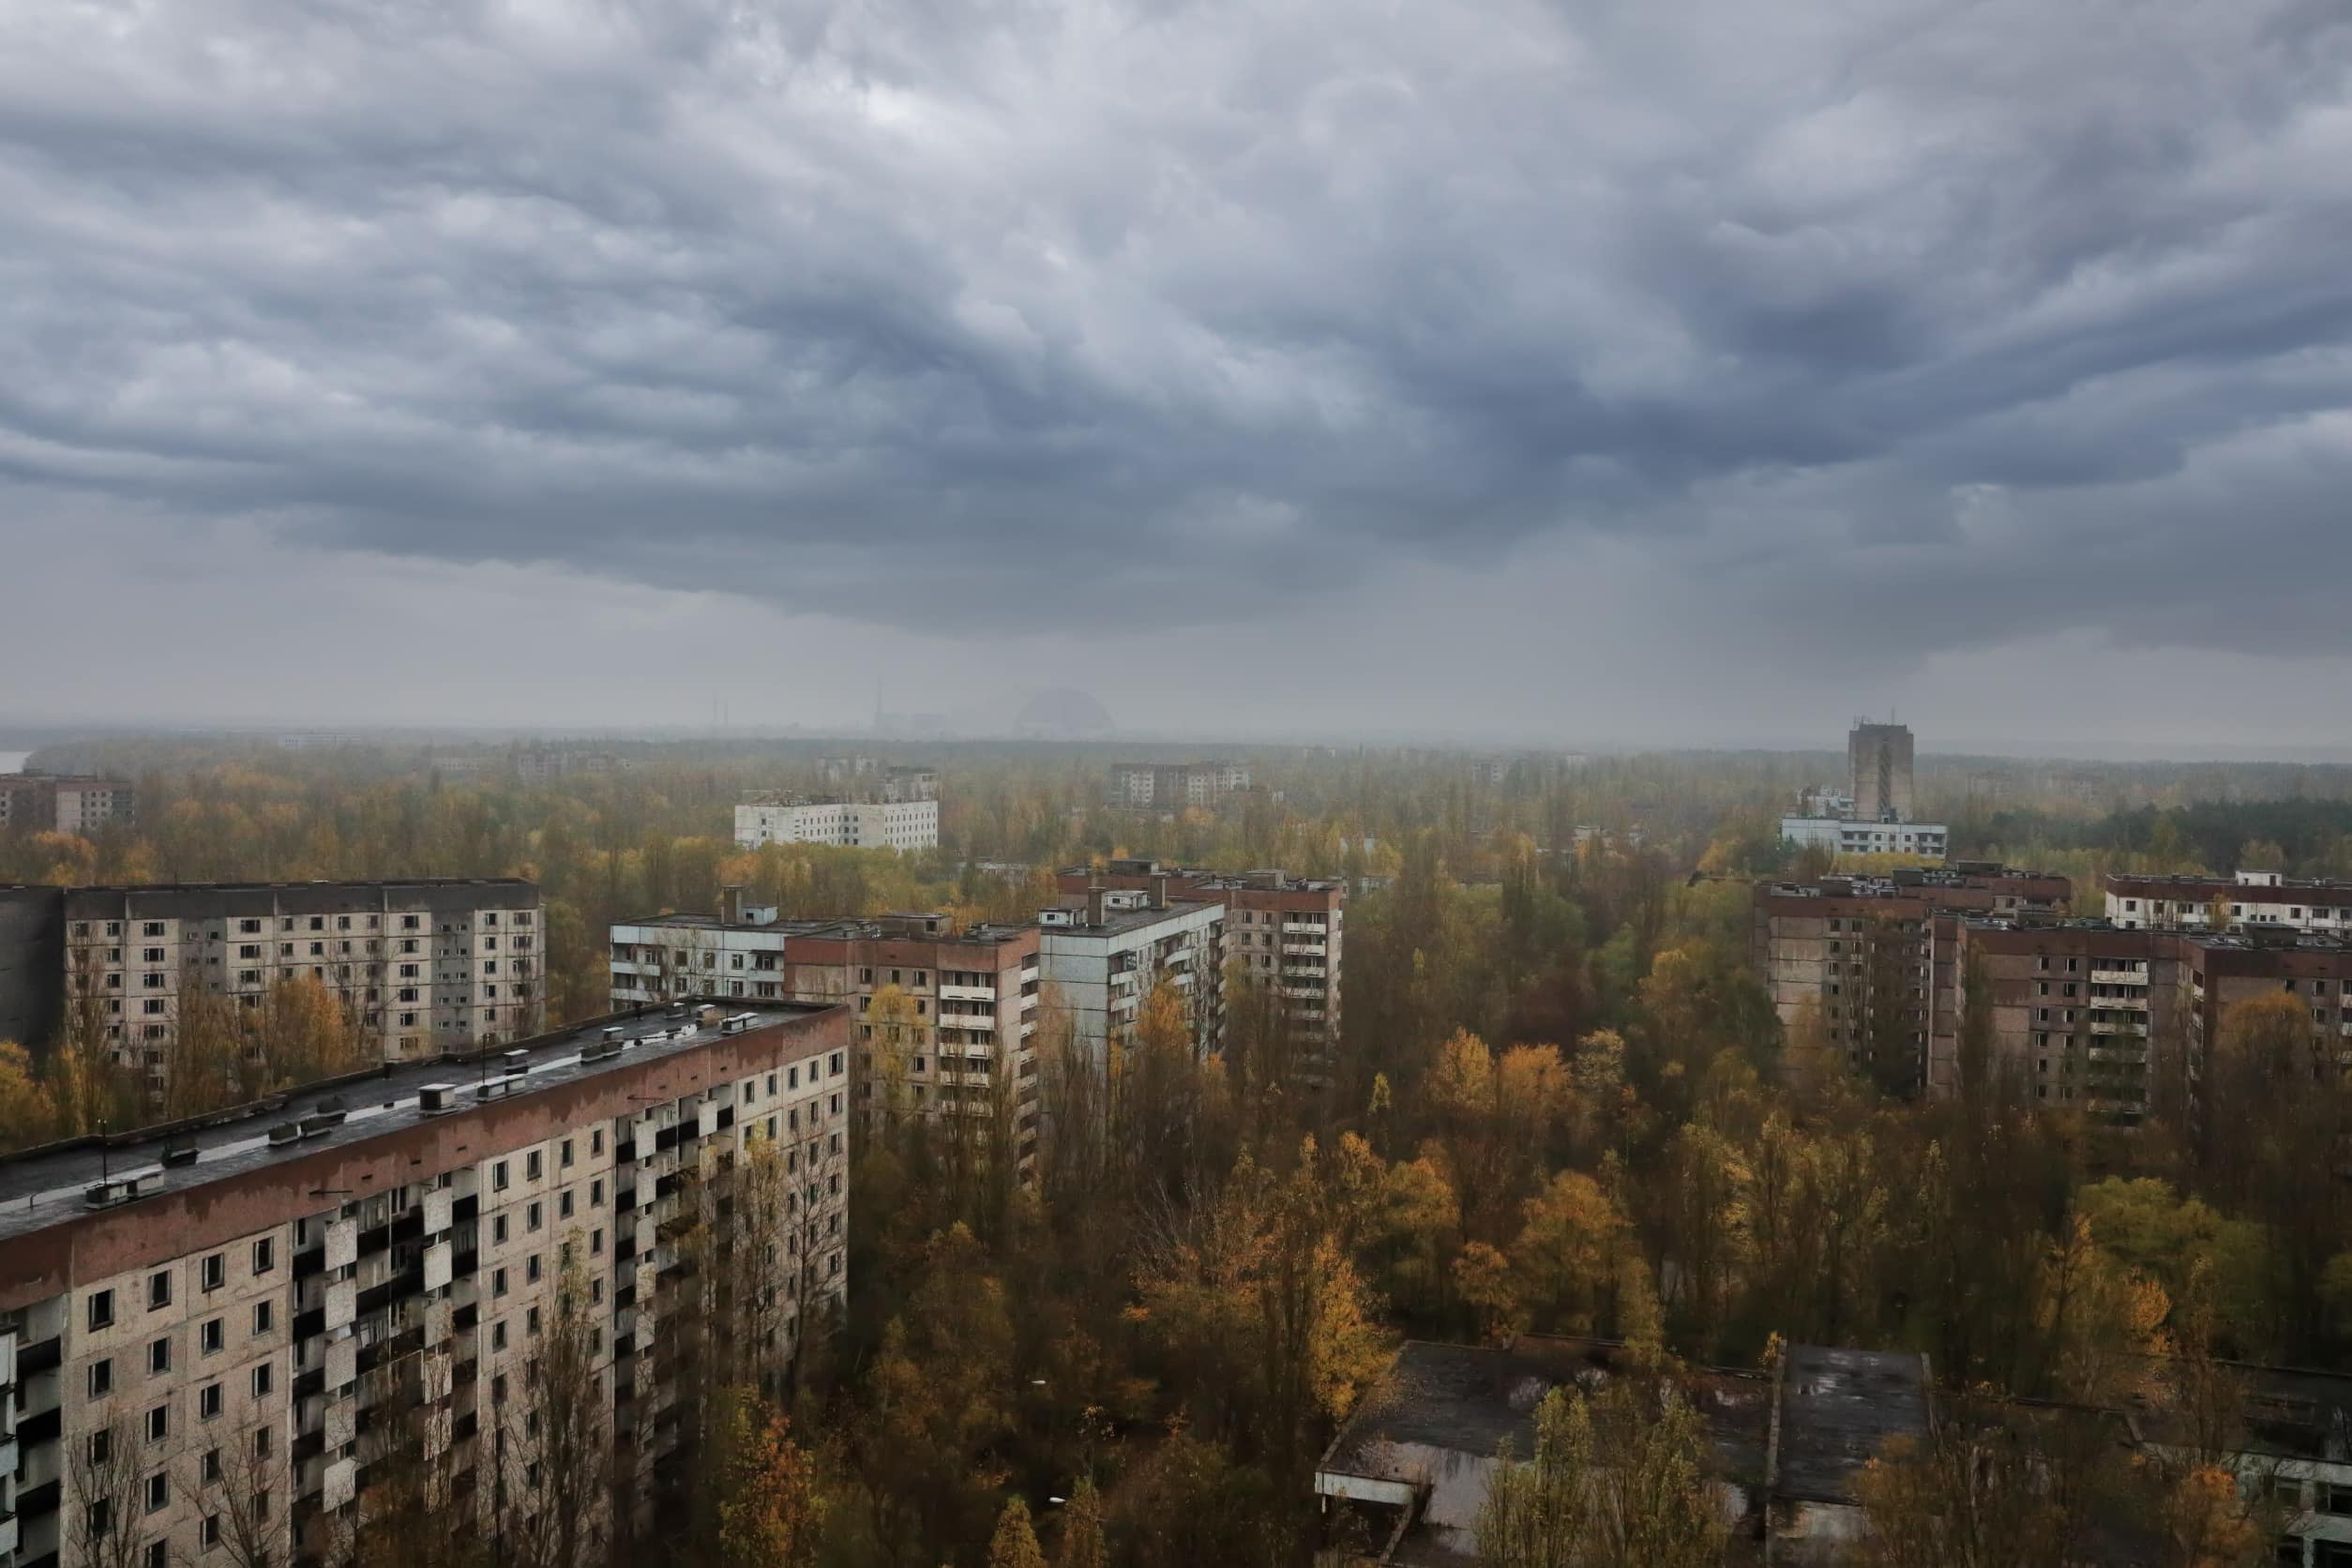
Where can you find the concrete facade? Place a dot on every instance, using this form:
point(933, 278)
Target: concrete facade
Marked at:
point(1866, 948)
point(66, 802)
point(900, 825)
point(975, 993)
point(420, 967)
point(1878, 762)
point(1174, 786)
point(1103, 951)
point(199, 1344)
point(1288, 933)
point(31, 963)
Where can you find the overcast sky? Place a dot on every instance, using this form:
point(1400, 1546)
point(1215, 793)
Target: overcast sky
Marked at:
point(1619, 371)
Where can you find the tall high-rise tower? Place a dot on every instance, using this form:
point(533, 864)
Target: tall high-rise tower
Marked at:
point(1879, 756)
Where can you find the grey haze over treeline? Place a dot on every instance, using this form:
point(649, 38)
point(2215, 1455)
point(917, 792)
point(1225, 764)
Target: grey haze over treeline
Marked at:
point(1657, 374)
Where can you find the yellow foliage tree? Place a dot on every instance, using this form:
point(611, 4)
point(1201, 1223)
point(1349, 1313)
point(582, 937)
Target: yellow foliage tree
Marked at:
point(28, 1114)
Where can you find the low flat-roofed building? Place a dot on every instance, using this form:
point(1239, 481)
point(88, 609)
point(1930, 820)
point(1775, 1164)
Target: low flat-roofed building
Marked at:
point(1784, 1448)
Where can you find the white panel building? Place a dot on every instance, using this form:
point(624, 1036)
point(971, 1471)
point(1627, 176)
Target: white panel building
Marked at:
point(900, 825)
point(1104, 949)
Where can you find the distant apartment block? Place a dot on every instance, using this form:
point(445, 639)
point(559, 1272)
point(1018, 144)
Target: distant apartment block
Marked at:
point(1174, 786)
point(420, 967)
point(66, 802)
point(900, 785)
point(1287, 933)
point(974, 994)
point(2094, 1016)
point(1877, 954)
point(2250, 900)
point(1105, 950)
point(541, 764)
point(2117, 1022)
point(900, 825)
point(212, 1335)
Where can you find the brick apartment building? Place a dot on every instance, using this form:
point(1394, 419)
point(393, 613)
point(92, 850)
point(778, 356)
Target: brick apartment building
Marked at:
point(974, 993)
point(1878, 955)
point(213, 1332)
point(2119, 1021)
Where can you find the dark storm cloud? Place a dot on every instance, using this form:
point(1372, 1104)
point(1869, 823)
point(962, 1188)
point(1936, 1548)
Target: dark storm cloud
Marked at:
point(1961, 319)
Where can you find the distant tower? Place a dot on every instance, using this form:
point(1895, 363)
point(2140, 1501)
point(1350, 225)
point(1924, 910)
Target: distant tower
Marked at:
point(1879, 756)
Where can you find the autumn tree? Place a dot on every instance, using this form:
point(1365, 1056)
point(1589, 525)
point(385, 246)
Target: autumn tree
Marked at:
point(1493, 1117)
point(1014, 1543)
point(28, 1113)
point(1082, 1543)
point(769, 1509)
point(1616, 1479)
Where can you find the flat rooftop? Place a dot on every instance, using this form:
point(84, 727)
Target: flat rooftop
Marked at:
point(1116, 921)
point(838, 929)
point(43, 1187)
point(1440, 1415)
point(1838, 1410)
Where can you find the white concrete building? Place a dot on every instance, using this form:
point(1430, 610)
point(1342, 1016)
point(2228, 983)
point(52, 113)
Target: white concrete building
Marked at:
point(1104, 949)
point(1925, 841)
point(900, 825)
point(2259, 900)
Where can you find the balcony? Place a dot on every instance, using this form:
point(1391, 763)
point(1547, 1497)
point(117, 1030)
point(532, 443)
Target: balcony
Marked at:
point(2117, 977)
point(968, 993)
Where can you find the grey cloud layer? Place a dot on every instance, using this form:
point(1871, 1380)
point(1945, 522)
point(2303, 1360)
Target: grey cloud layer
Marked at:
point(929, 311)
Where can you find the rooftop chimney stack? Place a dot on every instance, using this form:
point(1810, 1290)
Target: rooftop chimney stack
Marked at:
point(1159, 890)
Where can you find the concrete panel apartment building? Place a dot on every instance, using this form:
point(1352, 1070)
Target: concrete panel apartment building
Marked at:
point(1174, 786)
point(218, 1335)
point(974, 993)
point(2092, 1016)
point(2250, 900)
point(1878, 956)
point(65, 803)
point(421, 967)
point(1105, 950)
point(902, 825)
point(1288, 934)
point(2119, 1021)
